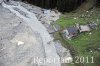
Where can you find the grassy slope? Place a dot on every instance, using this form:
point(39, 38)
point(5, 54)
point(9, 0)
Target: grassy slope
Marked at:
point(84, 40)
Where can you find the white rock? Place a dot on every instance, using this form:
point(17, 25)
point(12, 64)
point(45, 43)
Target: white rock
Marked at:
point(97, 20)
point(87, 11)
point(91, 51)
point(75, 18)
point(20, 43)
point(90, 33)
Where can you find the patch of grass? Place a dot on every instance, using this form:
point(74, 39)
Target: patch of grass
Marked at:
point(84, 42)
point(67, 22)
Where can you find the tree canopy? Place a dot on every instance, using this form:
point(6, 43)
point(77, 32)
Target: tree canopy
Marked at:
point(61, 5)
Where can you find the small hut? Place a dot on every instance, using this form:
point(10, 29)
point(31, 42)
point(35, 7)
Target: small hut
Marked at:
point(70, 32)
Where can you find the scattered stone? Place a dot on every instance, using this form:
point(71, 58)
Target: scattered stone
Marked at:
point(91, 51)
point(87, 11)
point(97, 20)
point(90, 33)
point(75, 18)
point(49, 28)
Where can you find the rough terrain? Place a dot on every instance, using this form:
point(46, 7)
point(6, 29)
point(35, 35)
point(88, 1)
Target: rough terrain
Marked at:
point(23, 37)
point(12, 33)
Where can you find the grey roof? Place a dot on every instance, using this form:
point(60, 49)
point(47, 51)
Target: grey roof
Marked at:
point(93, 25)
point(72, 30)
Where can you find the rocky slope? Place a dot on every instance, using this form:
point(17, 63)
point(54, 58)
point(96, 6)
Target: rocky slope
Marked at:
point(23, 37)
point(18, 42)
